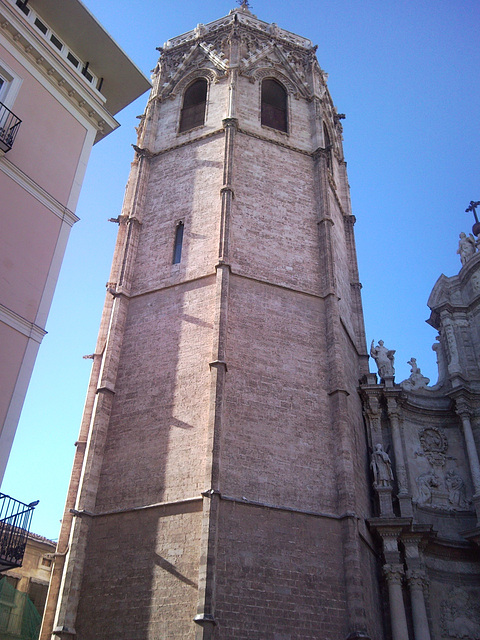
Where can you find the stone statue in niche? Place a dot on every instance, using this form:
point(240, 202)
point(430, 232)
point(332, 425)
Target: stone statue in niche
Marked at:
point(466, 247)
point(460, 616)
point(416, 379)
point(426, 483)
point(384, 359)
point(382, 467)
point(456, 490)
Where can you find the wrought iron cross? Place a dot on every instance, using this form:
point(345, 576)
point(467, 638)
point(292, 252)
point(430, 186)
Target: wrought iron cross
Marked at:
point(473, 207)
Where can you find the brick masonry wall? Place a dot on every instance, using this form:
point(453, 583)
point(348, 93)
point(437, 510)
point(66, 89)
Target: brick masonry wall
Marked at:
point(184, 185)
point(155, 443)
point(277, 445)
point(280, 576)
point(141, 574)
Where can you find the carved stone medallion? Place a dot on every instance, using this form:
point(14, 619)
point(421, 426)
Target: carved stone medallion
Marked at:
point(434, 444)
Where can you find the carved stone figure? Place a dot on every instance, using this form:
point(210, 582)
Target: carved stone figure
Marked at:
point(434, 444)
point(459, 616)
point(441, 364)
point(425, 483)
point(416, 379)
point(384, 359)
point(456, 490)
point(381, 466)
point(466, 247)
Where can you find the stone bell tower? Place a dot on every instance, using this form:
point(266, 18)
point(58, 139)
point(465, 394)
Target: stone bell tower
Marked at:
point(220, 487)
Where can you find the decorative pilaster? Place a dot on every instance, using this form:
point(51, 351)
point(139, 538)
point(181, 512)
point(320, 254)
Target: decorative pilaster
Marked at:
point(355, 287)
point(338, 395)
point(205, 616)
point(451, 344)
point(63, 597)
point(404, 496)
point(374, 418)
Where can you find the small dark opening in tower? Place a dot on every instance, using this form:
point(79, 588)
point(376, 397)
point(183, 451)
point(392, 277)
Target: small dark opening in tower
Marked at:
point(328, 145)
point(177, 249)
point(274, 105)
point(194, 103)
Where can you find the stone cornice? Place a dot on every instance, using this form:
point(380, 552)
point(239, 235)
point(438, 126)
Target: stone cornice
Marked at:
point(23, 326)
point(13, 172)
point(436, 402)
point(210, 134)
point(85, 99)
point(290, 147)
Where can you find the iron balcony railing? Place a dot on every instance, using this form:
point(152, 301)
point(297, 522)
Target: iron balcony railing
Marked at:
point(15, 519)
point(9, 126)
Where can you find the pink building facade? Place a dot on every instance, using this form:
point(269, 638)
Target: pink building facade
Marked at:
point(59, 92)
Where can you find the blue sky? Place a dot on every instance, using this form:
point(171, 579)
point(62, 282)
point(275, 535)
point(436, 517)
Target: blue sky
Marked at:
point(406, 74)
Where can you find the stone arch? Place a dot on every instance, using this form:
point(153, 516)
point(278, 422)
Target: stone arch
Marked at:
point(261, 73)
point(210, 75)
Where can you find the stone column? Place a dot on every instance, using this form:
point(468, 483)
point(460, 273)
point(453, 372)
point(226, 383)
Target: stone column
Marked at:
point(394, 574)
point(416, 581)
point(463, 410)
point(404, 496)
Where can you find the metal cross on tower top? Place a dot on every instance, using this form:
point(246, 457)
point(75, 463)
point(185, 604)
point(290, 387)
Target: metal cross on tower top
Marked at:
point(244, 4)
point(473, 208)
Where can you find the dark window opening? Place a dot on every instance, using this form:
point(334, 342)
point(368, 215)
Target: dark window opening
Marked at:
point(177, 250)
point(274, 105)
point(86, 73)
point(328, 145)
point(40, 26)
point(54, 40)
point(38, 594)
point(194, 104)
point(22, 5)
point(72, 59)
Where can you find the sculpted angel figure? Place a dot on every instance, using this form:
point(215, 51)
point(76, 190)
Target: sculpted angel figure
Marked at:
point(383, 358)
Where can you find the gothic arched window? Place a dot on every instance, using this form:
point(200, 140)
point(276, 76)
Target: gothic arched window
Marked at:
point(177, 248)
point(274, 105)
point(194, 103)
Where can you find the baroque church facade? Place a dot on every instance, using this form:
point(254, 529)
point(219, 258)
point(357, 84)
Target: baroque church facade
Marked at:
point(239, 473)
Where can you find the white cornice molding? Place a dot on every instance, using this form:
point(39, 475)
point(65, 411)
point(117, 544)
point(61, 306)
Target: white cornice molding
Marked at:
point(86, 101)
point(26, 328)
point(37, 192)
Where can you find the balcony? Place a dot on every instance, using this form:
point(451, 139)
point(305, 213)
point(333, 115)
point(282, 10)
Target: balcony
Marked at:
point(9, 126)
point(15, 518)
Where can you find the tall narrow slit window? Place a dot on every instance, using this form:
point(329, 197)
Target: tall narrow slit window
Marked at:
point(194, 104)
point(328, 145)
point(177, 249)
point(274, 105)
